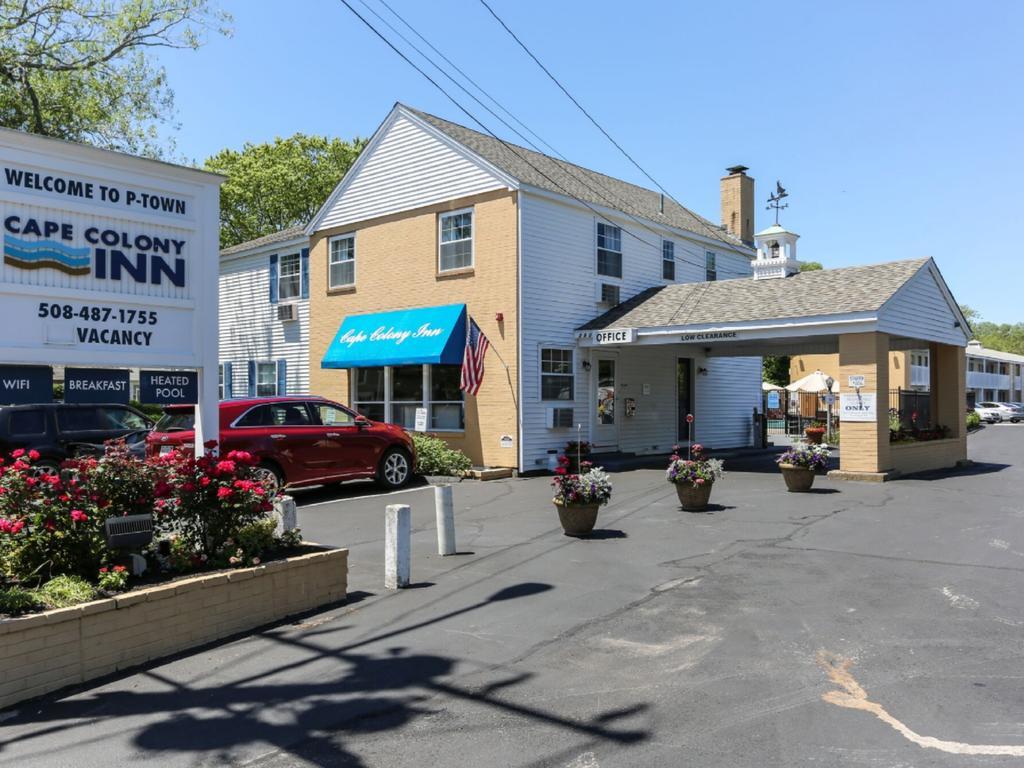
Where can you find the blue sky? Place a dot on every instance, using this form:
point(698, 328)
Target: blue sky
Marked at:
point(896, 127)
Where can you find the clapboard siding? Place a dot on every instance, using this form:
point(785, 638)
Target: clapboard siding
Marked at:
point(919, 310)
point(405, 167)
point(725, 400)
point(249, 328)
point(560, 289)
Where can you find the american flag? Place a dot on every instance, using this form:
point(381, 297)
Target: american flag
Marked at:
point(473, 358)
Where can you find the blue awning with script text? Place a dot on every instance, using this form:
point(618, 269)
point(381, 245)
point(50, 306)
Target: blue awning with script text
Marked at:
point(432, 335)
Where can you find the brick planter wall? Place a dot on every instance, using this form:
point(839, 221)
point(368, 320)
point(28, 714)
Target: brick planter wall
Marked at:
point(47, 651)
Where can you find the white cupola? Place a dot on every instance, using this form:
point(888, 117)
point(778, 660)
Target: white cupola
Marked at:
point(776, 253)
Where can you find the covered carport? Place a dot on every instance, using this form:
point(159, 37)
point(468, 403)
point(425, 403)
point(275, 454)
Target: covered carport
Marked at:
point(858, 313)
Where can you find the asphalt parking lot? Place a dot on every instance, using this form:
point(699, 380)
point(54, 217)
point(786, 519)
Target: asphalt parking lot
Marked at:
point(861, 624)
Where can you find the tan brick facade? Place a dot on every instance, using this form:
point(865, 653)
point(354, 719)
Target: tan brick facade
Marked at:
point(51, 650)
point(865, 445)
point(801, 365)
point(397, 268)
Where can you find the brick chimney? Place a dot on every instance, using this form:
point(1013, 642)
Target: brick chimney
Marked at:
point(738, 203)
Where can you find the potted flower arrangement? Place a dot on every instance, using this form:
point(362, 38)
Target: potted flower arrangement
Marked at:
point(800, 463)
point(693, 477)
point(578, 496)
point(577, 452)
point(815, 432)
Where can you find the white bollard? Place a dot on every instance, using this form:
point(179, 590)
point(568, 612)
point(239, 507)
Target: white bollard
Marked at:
point(445, 519)
point(286, 515)
point(397, 530)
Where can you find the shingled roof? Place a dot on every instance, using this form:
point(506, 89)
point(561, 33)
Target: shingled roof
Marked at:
point(554, 175)
point(292, 233)
point(807, 294)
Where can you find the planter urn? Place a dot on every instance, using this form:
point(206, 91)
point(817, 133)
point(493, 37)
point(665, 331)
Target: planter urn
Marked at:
point(577, 519)
point(693, 498)
point(814, 436)
point(797, 478)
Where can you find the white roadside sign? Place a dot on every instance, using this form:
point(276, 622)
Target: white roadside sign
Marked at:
point(854, 407)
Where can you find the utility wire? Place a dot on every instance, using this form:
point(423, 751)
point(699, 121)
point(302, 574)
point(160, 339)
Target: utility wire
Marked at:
point(510, 147)
point(590, 117)
point(607, 195)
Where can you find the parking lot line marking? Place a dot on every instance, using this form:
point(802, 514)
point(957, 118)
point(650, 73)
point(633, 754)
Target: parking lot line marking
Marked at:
point(382, 495)
point(853, 696)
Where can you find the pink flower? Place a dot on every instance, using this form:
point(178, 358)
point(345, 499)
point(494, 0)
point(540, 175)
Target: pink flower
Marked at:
point(18, 453)
point(34, 455)
point(119, 569)
point(17, 526)
point(204, 481)
point(699, 481)
point(224, 493)
point(5, 525)
point(255, 561)
point(79, 516)
point(226, 467)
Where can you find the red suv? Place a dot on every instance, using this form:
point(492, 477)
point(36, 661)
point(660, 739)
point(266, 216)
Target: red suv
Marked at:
point(298, 440)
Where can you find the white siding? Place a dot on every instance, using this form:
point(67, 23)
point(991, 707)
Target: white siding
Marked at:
point(249, 328)
point(406, 167)
point(919, 310)
point(725, 400)
point(560, 292)
point(653, 428)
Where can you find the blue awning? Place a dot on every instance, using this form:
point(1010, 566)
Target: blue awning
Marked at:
point(429, 335)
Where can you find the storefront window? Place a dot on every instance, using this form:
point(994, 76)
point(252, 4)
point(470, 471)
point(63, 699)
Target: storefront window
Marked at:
point(393, 394)
point(446, 407)
point(266, 379)
point(343, 262)
point(406, 394)
point(556, 377)
point(369, 393)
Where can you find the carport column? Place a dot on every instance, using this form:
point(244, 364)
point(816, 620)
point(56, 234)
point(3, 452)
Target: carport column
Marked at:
point(949, 390)
point(864, 445)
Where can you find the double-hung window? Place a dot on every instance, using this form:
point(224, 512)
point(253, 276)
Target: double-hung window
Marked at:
point(289, 279)
point(557, 381)
point(342, 266)
point(668, 260)
point(266, 379)
point(220, 381)
point(710, 266)
point(394, 393)
point(609, 250)
point(455, 241)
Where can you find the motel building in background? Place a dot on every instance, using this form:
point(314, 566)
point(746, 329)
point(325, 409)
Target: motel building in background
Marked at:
point(612, 311)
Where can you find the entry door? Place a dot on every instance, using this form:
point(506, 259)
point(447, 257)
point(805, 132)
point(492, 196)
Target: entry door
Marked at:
point(606, 404)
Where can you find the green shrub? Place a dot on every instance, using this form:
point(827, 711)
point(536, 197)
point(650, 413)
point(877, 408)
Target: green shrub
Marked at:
point(15, 601)
point(153, 411)
point(434, 457)
point(65, 591)
point(973, 420)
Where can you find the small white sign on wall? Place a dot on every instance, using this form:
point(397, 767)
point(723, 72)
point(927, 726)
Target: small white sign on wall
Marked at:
point(505, 441)
point(856, 381)
point(854, 407)
point(421, 420)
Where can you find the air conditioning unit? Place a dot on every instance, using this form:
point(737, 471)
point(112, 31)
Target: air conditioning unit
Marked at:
point(556, 418)
point(287, 312)
point(609, 295)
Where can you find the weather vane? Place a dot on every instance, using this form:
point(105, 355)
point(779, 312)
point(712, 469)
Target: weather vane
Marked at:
point(775, 201)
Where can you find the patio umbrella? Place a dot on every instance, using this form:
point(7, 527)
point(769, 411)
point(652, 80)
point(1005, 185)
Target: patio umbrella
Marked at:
point(813, 382)
point(769, 387)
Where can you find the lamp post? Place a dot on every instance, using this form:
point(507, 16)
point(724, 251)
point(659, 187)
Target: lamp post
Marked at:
point(829, 398)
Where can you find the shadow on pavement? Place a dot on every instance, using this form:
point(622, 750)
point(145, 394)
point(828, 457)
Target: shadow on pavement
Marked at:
point(348, 490)
point(977, 468)
point(361, 692)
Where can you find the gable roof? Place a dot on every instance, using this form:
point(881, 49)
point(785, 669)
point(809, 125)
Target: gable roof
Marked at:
point(549, 173)
point(292, 233)
point(841, 291)
point(520, 165)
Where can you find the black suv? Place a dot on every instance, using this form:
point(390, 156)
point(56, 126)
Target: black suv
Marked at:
point(61, 431)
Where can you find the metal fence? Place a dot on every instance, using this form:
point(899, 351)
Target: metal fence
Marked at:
point(790, 413)
point(912, 408)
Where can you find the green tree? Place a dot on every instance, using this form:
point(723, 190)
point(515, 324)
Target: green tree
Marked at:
point(278, 184)
point(81, 69)
point(1005, 337)
point(811, 266)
